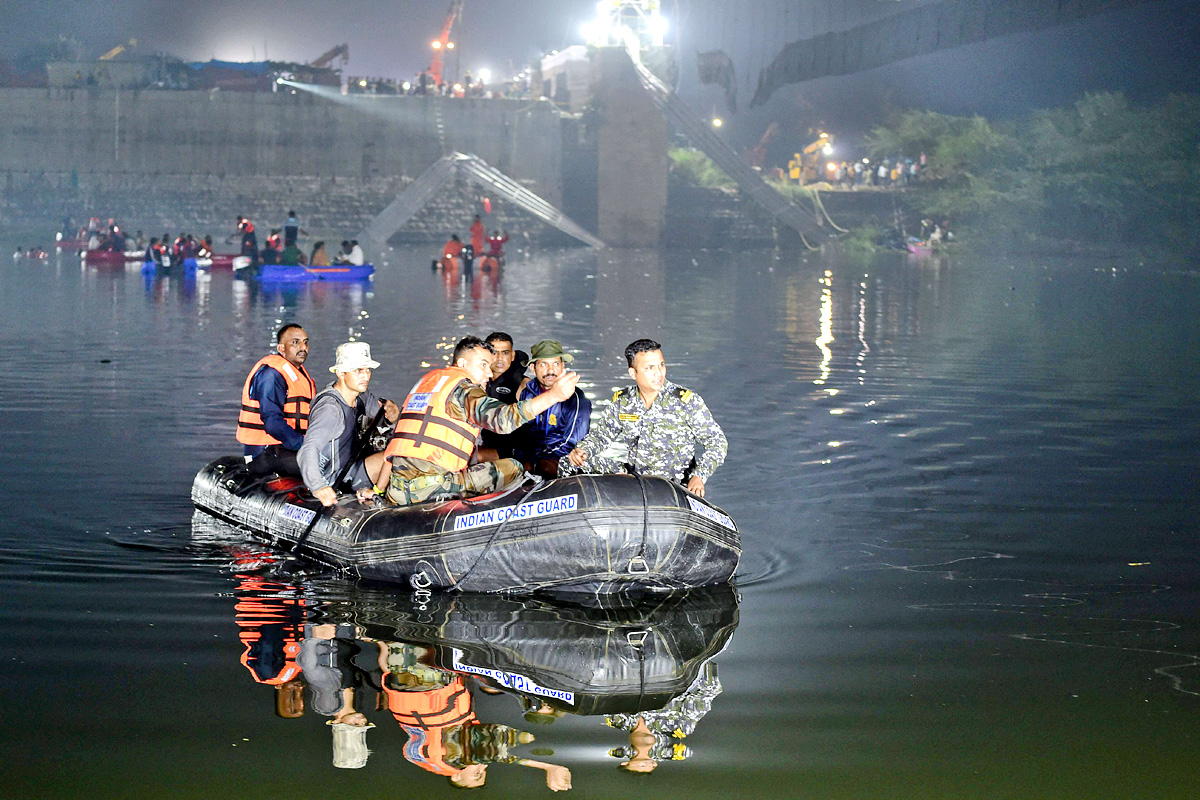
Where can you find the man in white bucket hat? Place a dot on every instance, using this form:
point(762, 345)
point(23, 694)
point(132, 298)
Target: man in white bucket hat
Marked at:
point(334, 421)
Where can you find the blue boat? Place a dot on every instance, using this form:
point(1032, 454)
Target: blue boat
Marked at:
point(339, 272)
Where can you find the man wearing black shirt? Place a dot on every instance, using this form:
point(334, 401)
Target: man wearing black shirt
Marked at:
point(508, 369)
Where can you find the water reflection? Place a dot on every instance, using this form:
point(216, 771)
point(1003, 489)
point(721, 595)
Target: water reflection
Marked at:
point(361, 657)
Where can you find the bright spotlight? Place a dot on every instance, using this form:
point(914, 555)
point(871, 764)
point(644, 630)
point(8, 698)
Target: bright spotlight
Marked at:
point(436, 44)
point(485, 75)
point(449, 45)
point(716, 123)
point(363, 83)
point(658, 27)
point(827, 149)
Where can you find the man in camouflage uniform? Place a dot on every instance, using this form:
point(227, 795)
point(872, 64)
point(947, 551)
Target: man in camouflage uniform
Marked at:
point(660, 425)
point(413, 479)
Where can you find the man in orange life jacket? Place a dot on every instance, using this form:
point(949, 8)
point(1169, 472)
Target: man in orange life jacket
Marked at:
point(249, 239)
point(478, 232)
point(440, 422)
point(275, 402)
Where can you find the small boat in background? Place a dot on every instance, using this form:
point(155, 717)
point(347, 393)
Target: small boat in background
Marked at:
point(339, 272)
point(218, 261)
point(112, 257)
point(224, 261)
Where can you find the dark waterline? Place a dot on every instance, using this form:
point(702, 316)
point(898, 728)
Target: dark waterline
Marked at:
point(967, 489)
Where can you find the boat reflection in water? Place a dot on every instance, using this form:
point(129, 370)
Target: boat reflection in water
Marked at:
point(360, 656)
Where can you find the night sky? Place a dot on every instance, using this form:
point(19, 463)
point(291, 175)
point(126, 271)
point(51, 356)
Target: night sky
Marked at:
point(1145, 51)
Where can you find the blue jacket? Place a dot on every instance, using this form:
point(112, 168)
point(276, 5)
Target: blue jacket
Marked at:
point(269, 388)
point(556, 431)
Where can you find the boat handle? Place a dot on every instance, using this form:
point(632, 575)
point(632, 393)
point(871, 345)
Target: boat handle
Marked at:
point(638, 566)
point(636, 638)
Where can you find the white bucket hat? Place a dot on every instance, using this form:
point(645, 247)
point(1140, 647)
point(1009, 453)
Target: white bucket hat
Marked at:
point(352, 356)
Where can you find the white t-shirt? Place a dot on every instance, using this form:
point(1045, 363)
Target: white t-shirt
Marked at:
point(356, 256)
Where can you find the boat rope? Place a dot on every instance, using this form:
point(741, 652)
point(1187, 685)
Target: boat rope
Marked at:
point(496, 533)
point(645, 522)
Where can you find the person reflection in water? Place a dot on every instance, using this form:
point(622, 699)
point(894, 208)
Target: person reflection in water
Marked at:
point(270, 620)
point(336, 661)
point(436, 710)
point(656, 736)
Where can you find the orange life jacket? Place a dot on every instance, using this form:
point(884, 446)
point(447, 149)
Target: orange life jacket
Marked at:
point(452, 248)
point(427, 431)
point(271, 609)
point(426, 717)
point(300, 391)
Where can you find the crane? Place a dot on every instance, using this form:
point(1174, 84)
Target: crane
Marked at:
point(326, 58)
point(443, 43)
point(116, 51)
point(757, 155)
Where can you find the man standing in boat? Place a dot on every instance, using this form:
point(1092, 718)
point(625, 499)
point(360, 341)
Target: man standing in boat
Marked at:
point(249, 239)
point(667, 431)
point(440, 421)
point(275, 403)
point(478, 233)
point(292, 230)
point(333, 424)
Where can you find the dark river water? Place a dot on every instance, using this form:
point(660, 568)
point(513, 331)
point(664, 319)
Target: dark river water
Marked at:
point(967, 490)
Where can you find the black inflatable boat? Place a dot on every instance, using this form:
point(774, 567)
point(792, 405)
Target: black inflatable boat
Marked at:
point(595, 534)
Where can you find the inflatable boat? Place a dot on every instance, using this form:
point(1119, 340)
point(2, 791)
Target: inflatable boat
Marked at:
point(591, 534)
point(340, 272)
point(217, 261)
point(112, 257)
point(583, 659)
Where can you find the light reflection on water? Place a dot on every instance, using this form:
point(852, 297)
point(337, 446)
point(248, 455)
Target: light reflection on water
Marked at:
point(967, 489)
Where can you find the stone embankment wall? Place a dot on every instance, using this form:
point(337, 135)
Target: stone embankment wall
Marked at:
point(162, 160)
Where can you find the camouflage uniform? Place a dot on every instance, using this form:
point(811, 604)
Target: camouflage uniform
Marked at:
point(660, 440)
point(415, 480)
point(675, 721)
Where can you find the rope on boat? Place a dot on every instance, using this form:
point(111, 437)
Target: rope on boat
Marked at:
point(492, 539)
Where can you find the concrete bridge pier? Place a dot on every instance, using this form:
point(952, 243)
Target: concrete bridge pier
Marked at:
point(631, 154)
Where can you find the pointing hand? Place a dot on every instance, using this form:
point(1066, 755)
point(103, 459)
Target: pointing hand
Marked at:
point(564, 387)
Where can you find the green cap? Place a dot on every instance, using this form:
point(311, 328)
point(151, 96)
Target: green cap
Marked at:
point(546, 350)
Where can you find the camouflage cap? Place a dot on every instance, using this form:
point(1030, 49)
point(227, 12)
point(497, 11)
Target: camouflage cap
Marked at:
point(546, 350)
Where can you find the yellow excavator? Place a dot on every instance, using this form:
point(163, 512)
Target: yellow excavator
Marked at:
point(116, 51)
point(808, 165)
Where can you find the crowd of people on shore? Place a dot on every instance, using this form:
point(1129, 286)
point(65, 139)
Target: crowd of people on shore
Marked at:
point(888, 173)
point(474, 427)
point(424, 84)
